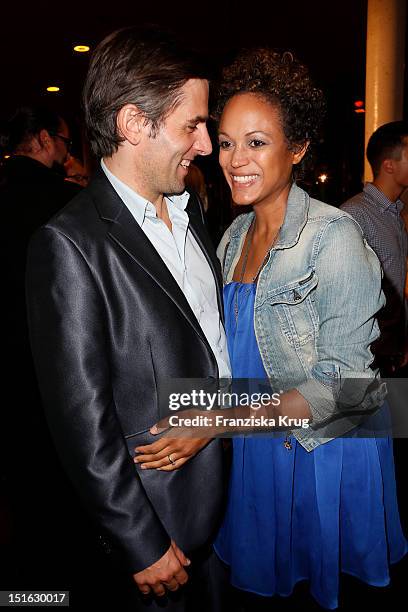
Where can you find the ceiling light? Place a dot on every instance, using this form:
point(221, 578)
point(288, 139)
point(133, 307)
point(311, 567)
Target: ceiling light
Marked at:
point(81, 48)
point(53, 88)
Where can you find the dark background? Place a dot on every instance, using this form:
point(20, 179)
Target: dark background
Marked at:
point(37, 40)
point(36, 44)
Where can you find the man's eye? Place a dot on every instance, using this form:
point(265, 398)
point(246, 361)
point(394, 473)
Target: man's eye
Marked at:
point(224, 144)
point(192, 127)
point(256, 143)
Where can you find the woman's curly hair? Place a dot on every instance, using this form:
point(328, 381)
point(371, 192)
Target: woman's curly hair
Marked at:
point(282, 80)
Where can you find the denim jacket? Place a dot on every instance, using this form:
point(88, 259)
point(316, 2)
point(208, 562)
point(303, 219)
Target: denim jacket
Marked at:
point(316, 299)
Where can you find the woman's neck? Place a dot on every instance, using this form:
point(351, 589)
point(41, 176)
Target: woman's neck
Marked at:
point(269, 216)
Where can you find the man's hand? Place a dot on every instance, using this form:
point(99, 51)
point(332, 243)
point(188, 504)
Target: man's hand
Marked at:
point(168, 572)
point(168, 454)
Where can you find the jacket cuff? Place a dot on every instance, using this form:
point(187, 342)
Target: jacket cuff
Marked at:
point(320, 398)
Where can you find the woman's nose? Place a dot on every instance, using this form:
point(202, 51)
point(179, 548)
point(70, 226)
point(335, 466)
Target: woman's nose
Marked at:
point(238, 158)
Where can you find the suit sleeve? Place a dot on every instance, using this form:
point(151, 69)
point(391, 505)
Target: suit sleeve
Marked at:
point(70, 345)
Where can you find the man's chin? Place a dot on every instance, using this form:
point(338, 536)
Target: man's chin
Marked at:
point(176, 189)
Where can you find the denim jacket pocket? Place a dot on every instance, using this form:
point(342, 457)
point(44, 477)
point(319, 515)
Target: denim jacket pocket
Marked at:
point(295, 310)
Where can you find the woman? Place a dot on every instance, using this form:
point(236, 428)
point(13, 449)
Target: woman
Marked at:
point(301, 291)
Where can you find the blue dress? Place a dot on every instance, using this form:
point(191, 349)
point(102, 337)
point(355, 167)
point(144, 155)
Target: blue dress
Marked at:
point(294, 515)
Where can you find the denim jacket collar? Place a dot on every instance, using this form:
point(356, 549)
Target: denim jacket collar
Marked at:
point(295, 219)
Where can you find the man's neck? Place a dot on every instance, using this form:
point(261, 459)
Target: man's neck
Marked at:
point(390, 190)
point(122, 171)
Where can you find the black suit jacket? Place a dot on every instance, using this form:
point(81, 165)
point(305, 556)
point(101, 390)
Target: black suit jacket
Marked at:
point(107, 323)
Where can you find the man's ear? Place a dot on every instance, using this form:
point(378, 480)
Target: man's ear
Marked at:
point(387, 166)
point(43, 140)
point(300, 151)
point(130, 122)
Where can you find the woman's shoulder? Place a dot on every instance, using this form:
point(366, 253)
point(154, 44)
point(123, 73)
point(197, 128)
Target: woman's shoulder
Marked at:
point(336, 232)
point(324, 215)
point(324, 211)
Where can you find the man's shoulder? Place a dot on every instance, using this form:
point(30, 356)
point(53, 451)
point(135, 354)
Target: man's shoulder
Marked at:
point(361, 209)
point(75, 211)
point(79, 220)
point(357, 204)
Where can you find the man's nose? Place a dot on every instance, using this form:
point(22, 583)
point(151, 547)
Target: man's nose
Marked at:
point(203, 144)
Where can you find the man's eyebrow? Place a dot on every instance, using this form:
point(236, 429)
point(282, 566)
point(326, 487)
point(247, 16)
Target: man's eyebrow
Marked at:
point(198, 119)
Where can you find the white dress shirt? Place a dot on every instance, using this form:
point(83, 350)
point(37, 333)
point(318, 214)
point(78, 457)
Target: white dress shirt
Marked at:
point(184, 259)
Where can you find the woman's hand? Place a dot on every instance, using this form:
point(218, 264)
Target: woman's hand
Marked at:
point(178, 443)
point(168, 454)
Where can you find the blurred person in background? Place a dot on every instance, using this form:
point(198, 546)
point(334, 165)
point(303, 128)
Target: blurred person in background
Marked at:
point(32, 179)
point(377, 209)
point(75, 171)
point(32, 189)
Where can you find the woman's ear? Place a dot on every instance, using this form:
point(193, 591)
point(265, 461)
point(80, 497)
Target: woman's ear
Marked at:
point(130, 122)
point(299, 152)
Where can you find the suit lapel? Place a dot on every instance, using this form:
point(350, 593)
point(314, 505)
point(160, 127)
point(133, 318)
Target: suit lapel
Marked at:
point(125, 231)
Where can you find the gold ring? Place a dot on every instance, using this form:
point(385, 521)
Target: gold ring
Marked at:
point(172, 461)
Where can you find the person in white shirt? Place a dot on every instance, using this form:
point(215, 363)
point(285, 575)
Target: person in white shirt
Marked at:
point(124, 291)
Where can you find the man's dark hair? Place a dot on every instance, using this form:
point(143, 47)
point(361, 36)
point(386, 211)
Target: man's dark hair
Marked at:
point(386, 143)
point(25, 123)
point(141, 66)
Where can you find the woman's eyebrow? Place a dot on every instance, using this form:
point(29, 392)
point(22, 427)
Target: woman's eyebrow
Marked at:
point(247, 134)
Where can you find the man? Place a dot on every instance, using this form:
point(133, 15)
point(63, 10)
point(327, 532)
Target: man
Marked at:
point(124, 290)
point(32, 188)
point(378, 211)
point(32, 179)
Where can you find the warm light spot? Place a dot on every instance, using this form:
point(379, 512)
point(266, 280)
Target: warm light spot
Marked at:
point(359, 110)
point(359, 103)
point(53, 88)
point(6, 156)
point(323, 178)
point(81, 48)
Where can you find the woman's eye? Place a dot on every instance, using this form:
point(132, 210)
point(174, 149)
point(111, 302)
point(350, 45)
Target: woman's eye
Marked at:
point(256, 143)
point(224, 144)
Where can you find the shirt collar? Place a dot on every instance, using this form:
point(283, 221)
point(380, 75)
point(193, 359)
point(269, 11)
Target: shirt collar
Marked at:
point(381, 199)
point(139, 206)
